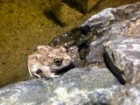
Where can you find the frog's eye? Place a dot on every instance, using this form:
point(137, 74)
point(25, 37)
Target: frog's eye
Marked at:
point(58, 61)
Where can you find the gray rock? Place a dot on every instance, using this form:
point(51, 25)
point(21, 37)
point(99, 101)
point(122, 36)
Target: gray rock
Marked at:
point(125, 54)
point(110, 24)
point(77, 86)
point(129, 95)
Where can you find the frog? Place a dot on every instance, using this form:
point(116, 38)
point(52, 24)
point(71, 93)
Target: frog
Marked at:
point(48, 60)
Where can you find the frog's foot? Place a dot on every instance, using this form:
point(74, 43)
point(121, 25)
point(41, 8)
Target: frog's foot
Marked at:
point(53, 75)
point(37, 75)
point(47, 72)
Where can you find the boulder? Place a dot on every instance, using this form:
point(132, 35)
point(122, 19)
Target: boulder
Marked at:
point(77, 86)
point(129, 95)
point(125, 55)
point(110, 24)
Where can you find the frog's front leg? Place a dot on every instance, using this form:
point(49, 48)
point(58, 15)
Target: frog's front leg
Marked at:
point(33, 72)
point(47, 72)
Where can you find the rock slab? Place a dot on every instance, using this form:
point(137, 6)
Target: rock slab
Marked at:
point(125, 54)
point(77, 86)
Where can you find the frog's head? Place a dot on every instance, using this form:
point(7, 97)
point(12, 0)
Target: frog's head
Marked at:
point(57, 58)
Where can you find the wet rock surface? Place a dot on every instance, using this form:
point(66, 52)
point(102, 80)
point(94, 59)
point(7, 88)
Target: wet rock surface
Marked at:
point(118, 29)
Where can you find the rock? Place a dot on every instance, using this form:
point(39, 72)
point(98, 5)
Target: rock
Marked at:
point(111, 24)
point(113, 68)
point(77, 86)
point(129, 95)
point(125, 55)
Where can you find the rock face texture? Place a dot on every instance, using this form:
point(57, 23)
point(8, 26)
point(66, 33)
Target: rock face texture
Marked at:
point(112, 24)
point(117, 34)
point(129, 95)
point(78, 86)
point(125, 55)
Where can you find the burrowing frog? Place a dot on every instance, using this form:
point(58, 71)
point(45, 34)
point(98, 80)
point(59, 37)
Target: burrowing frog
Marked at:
point(49, 60)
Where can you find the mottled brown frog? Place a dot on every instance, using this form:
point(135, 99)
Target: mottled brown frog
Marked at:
point(49, 60)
